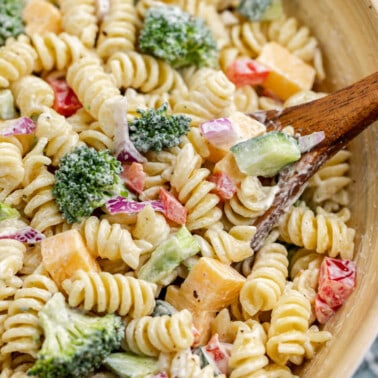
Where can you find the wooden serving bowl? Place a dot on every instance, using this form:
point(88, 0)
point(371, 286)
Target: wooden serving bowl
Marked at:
point(348, 35)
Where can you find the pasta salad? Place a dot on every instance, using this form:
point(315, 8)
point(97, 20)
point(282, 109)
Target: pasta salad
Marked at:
point(130, 179)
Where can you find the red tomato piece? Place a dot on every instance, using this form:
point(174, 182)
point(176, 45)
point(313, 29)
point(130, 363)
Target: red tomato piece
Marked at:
point(134, 177)
point(66, 102)
point(246, 71)
point(322, 310)
point(174, 210)
point(219, 353)
point(225, 187)
point(337, 279)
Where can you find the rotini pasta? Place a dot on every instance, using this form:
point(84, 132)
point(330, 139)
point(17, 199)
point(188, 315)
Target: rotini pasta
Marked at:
point(210, 95)
point(110, 241)
point(79, 19)
point(189, 180)
point(288, 328)
point(251, 200)
point(32, 95)
point(11, 258)
point(118, 29)
point(17, 59)
point(93, 88)
point(266, 283)
point(105, 292)
point(61, 138)
point(322, 233)
point(248, 351)
point(57, 51)
point(144, 72)
point(22, 329)
point(151, 335)
point(11, 170)
point(228, 247)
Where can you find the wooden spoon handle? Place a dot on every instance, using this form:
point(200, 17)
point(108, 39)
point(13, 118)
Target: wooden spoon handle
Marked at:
point(342, 116)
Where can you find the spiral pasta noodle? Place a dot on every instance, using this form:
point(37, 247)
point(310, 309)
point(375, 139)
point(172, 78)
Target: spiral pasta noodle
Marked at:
point(22, 329)
point(158, 169)
point(266, 283)
point(248, 351)
point(328, 187)
point(118, 29)
point(79, 19)
point(143, 72)
point(210, 95)
point(151, 227)
point(322, 233)
point(93, 87)
point(61, 138)
point(11, 170)
point(11, 257)
point(17, 59)
point(38, 182)
point(57, 51)
point(110, 241)
point(189, 180)
point(16, 366)
point(32, 94)
point(93, 136)
point(105, 292)
point(151, 335)
point(288, 327)
point(228, 247)
point(251, 200)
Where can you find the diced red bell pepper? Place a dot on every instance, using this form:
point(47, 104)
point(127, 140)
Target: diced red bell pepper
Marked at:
point(134, 176)
point(66, 102)
point(219, 353)
point(323, 311)
point(246, 71)
point(174, 210)
point(225, 187)
point(337, 279)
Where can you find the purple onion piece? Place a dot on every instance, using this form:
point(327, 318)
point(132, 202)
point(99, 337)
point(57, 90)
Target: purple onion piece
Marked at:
point(219, 131)
point(25, 235)
point(123, 205)
point(18, 126)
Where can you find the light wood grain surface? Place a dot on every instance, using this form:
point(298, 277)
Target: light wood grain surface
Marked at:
point(348, 33)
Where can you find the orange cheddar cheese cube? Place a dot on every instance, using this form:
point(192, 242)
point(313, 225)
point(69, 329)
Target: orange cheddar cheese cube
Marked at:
point(211, 285)
point(288, 73)
point(41, 16)
point(65, 253)
point(229, 166)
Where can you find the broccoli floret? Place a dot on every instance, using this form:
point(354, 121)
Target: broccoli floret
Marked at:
point(11, 24)
point(75, 343)
point(177, 37)
point(155, 129)
point(85, 180)
point(260, 10)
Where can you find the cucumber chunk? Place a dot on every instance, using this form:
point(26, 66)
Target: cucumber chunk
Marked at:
point(127, 365)
point(267, 154)
point(169, 255)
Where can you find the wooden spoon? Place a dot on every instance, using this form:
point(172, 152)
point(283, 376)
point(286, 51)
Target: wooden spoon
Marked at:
point(341, 115)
